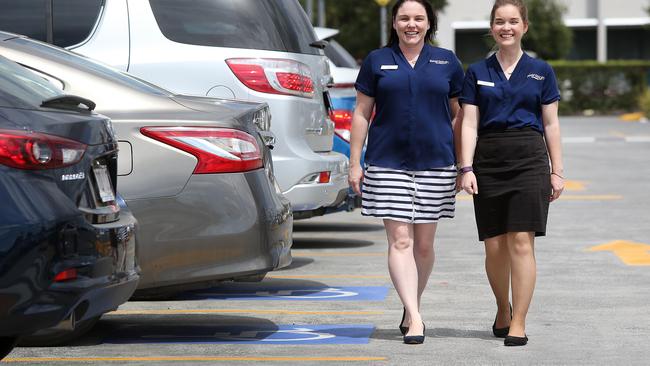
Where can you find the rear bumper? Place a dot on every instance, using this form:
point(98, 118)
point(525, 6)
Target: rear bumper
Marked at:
point(221, 226)
point(107, 278)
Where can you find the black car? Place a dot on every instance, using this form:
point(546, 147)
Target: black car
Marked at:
point(67, 245)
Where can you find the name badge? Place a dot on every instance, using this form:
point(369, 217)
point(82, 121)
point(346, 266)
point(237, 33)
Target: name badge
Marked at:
point(389, 67)
point(484, 83)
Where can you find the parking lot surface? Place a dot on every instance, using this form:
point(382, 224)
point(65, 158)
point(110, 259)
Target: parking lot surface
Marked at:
point(335, 304)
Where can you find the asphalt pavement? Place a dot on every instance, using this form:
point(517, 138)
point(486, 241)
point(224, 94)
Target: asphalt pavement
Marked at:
point(335, 304)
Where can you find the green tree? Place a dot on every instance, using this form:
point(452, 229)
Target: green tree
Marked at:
point(358, 22)
point(547, 35)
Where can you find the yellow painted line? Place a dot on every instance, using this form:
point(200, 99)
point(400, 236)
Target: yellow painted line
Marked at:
point(316, 254)
point(231, 311)
point(604, 197)
point(574, 185)
point(327, 276)
point(631, 253)
point(182, 359)
point(569, 197)
point(631, 117)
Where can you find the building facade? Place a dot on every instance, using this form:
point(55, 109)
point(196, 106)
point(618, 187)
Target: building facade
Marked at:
point(602, 29)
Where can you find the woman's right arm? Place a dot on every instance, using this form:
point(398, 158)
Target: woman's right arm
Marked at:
point(358, 132)
point(468, 145)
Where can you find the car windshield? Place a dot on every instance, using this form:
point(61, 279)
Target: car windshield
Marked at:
point(339, 55)
point(20, 88)
point(84, 63)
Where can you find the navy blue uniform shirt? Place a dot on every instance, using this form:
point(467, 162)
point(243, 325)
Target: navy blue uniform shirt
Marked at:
point(412, 125)
point(514, 103)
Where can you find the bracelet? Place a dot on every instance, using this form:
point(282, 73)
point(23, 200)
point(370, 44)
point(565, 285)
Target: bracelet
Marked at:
point(465, 169)
point(553, 173)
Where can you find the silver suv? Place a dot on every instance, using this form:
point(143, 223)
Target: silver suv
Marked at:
point(262, 51)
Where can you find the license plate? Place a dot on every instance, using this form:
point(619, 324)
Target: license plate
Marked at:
point(103, 183)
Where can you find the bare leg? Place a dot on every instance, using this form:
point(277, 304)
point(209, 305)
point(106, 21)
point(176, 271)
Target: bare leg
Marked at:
point(424, 254)
point(403, 271)
point(497, 267)
point(524, 272)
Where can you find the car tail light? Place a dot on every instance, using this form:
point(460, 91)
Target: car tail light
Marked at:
point(275, 76)
point(342, 119)
point(66, 275)
point(218, 150)
point(31, 150)
point(317, 178)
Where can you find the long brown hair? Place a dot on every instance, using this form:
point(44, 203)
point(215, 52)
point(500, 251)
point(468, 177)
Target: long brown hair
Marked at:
point(519, 4)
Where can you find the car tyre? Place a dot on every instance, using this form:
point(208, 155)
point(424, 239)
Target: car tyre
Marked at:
point(49, 337)
point(6, 345)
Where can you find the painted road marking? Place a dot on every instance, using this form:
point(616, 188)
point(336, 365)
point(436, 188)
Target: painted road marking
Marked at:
point(631, 253)
point(567, 197)
point(187, 359)
point(242, 292)
point(236, 311)
point(324, 276)
point(280, 334)
point(574, 185)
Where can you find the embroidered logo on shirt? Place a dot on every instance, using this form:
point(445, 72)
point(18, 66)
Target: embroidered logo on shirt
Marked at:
point(389, 67)
point(536, 77)
point(484, 83)
point(439, 62)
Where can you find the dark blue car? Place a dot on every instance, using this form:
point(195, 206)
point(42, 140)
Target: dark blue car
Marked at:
point(67, 246)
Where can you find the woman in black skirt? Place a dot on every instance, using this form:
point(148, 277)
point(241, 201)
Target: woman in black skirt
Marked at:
point(510, 102)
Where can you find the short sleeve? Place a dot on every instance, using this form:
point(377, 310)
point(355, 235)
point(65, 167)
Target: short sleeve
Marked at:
point(456, 80)
point(366, 81)
point(468, 94)
point(550, 92)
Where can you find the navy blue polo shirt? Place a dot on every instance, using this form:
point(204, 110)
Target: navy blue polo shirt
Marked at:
point(515, 103)
point(412, 126)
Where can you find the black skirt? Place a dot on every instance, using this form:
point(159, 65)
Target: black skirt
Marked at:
point(514, 183)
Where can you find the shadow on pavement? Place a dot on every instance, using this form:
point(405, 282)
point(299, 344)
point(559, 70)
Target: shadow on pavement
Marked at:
point(394, 334)
point(297, 263)
point(325, 243)
point(300, 226)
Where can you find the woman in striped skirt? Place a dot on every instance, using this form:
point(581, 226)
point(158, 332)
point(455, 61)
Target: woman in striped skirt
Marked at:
point(410, 175)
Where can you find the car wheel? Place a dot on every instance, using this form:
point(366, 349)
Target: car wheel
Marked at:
point(57, 337)
point(6, 345)
point(251, 278)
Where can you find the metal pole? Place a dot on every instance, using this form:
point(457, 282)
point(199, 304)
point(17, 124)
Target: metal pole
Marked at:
point(382, 26)
point(310, 10)
point(601, 33)
point(321, 13)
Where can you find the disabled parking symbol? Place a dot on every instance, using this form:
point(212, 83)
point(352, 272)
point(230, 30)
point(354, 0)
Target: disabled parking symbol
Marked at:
point(230, 292)
point(282, 334)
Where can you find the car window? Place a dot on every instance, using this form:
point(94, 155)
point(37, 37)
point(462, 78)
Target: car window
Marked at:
point(86, 64)
point(339, 55)
point(28, 17)
point(275, 25)
point(21, 88)
point(72, 21)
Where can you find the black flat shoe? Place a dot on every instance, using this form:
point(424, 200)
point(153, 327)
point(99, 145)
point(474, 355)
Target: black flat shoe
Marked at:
point(515, 341)
point(501, 332)
point(402, 328)
point(419, 339)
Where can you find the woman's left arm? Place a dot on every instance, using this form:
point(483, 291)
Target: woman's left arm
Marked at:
point(554, 147)
point(456, 123)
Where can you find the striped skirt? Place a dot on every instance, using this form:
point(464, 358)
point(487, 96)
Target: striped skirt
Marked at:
point(409, 196)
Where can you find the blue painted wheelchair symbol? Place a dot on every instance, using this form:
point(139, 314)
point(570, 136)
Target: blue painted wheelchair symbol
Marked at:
point(283, 334)
point(230, 292)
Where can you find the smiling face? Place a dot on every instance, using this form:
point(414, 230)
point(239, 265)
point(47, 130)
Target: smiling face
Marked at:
point(508, 27)
point(411, 23)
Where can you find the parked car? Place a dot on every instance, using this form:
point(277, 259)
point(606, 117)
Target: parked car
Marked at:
point(263, 51)
point(196, 172)
point(67, 247)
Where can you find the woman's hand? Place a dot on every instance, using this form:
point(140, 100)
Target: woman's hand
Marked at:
point(355, 177)
point(468, 183)
point(557, 186)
